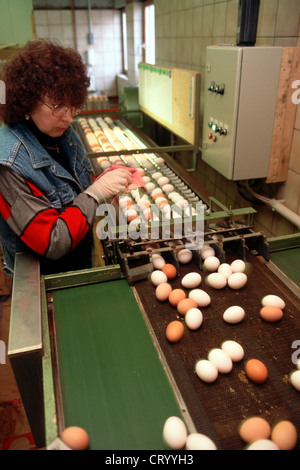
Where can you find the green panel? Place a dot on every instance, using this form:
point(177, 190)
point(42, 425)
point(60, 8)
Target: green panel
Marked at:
point(288, 261)
point(113, 382)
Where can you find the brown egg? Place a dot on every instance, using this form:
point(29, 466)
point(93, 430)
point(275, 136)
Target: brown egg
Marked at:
point(185, 305)
point(256, 371)
point(75, 437)
point(174, 331)
point(284, 435)
point(271, 314)
point(163, 291)
point(255, 428)
point(169, 270)
point(176, 296)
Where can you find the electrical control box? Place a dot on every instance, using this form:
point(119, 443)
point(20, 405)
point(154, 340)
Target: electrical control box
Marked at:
point(241, 85)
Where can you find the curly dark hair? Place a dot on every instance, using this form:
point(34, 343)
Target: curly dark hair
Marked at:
point(43, 68)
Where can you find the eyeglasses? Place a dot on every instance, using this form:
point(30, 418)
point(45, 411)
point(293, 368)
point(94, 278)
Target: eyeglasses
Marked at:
point(59, 110)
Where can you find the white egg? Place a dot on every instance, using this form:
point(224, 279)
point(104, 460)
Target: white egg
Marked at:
point(234, 314)
point(149, 187)
point(191, 280)
point(158, 261)
point(197, 441)
point(158, 277)
point(225, 269)
point(155, 191)
point(295, 379)
point(168, 188)
point(216, 280)
point(262, 444)
point(174, 433)
point(193, 318)
point(185, 256)
point(211, 263)
point(238, 266)
point(207, 251)
point(206, 370)
point(156, 175)
point(200, 296)
point(221, 360)
point(233, 349)
point(146, 179)
point(237, 280)
point(162, 181)
point(273, 301)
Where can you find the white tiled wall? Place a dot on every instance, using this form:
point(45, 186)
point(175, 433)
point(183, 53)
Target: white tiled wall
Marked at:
point(106, 28)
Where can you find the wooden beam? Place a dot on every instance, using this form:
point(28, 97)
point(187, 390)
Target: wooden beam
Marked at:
point(284, 116)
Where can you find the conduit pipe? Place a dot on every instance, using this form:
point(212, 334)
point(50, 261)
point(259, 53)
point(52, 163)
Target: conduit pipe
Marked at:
point(277, 206)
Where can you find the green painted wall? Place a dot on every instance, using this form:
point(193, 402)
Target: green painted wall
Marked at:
point(15, 21)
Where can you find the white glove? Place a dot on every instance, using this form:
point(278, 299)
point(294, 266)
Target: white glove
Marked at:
point(108, 185)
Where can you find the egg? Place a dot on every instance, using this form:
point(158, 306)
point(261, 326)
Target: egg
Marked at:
point(156, 175)
point(191, 280)
point(163, 291)
point(206, 251)
point(158, 261)
point(206, 370)
point(295, 379)
point(271, 314)
point(176, 296)
point(184, 305)
point(174, 331)
point(254, 428)
point(193, 318)
point(234, 314)
point(174, 433)
point(221, 360)
point(168, 188)
point(238, 266)
point(211, 263)
point(216, 280)
point(274, 301)
point(197, 441)
point(237, 280)
point(162, 181)
point(234, 350)
point(75, 437)
point(201, 297)
point(185, 256)
point(158, 277)
point(149, 187)
point(225, 269)
point(169, 270)
point(284, 435)
point(263, 444)
point(256, 371)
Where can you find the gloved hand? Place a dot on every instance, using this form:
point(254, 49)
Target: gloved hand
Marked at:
point(109, 184)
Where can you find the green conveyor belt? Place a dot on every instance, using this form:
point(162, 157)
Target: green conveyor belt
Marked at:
point(113, 382)
point(288, 261)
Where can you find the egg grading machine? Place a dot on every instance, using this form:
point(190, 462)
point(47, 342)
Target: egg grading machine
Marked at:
point(89, 348)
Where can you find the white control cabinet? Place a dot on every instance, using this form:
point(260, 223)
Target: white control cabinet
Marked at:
point(241, 86)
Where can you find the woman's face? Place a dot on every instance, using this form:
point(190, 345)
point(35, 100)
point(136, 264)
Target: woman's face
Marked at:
point(47, 123)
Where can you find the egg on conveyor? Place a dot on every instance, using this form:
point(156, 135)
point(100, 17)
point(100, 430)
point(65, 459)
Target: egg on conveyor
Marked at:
point(197, 441)
point(207, 251)
point(158, 277)
point(294, 379)
point(211, 263)
point(238, 266)
point(193, 318)
point(163, 291)
point(273, 301)
point(158, 261)
point(234, 314)
point(225, 269)
point(206, 370)
point(234, 350)
point(156, 175)
point(191, 280)
point(262, 444)
point(168, 188)
point(200, 296)
point(174, 433)
point(162, 181)
point(221, 360)
point(237, 280)
point(216, 280)
point(185, 256)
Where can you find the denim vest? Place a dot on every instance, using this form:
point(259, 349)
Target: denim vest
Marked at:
point(21, 151)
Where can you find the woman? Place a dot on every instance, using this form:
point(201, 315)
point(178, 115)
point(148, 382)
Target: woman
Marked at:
point(47, 198)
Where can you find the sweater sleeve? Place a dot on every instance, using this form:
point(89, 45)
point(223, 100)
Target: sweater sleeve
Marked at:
point(44, 229)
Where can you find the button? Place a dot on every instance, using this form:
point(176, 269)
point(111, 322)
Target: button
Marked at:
point(209, 136)
point(214, 138)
